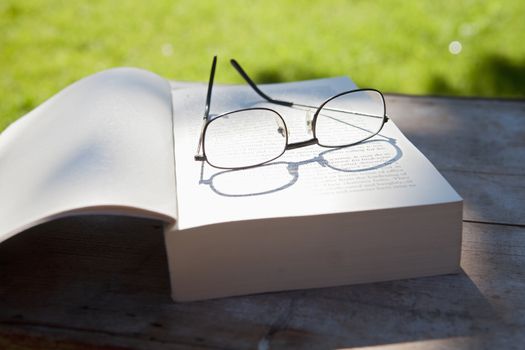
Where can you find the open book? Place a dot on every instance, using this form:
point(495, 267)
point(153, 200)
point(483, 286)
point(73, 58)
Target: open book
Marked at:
point(123, 142)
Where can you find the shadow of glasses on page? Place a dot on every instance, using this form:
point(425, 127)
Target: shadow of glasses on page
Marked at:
point(279, 175)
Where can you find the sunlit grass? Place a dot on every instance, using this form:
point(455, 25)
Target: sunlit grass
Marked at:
point(395, 46)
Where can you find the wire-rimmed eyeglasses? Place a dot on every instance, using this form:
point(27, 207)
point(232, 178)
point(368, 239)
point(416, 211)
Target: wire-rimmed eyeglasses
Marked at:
point(251, 137)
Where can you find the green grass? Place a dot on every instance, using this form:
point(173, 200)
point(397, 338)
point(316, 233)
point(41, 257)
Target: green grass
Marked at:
point(395, 46)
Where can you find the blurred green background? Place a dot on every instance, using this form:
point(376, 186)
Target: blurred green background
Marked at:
point(460, 48)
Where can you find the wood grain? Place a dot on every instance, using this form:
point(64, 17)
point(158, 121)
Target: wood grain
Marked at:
point(93, 280)
point(103, 281)
point(477, 144)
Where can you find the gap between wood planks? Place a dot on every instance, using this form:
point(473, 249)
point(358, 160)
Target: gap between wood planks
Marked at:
point(494, 223)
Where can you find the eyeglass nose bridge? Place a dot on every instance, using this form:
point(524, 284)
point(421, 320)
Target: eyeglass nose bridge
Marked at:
point(301, 144)
point(281, 130)
point(309, 122)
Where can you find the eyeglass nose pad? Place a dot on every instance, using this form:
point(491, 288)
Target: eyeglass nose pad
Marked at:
point(308, 120)
point(281, 131)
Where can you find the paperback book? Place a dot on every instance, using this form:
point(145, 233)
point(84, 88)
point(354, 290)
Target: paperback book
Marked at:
point(123, 141)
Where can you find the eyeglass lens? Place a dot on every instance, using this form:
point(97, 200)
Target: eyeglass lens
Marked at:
point(350, 118)
point(245, 138)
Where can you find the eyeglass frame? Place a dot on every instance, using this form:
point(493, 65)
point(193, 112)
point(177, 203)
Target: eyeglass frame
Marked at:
point(288, 146)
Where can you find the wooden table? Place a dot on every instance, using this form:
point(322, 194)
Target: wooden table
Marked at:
point(83, 283)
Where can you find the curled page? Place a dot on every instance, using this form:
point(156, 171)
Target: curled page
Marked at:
point(103, 145)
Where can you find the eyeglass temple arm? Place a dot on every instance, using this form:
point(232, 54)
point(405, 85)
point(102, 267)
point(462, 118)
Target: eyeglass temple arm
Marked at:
point(250, 82)
point(210, 87)
point(198, 155)
point(254, 86)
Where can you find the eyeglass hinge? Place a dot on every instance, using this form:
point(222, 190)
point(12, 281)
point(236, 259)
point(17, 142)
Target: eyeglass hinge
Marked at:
point(199, 158)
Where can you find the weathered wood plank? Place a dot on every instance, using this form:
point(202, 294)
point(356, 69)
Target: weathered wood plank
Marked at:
point(103, 280)
point(495, 198)
point(480, 135)
point(478, 145)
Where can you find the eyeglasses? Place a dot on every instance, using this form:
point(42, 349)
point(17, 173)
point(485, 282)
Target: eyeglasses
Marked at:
point(251, 137)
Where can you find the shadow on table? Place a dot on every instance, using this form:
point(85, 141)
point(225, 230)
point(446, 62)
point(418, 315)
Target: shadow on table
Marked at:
point(412, 310)
point(101, 275)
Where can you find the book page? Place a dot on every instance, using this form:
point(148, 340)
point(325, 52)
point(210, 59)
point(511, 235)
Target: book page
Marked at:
point(103, 145)
point(383, 172)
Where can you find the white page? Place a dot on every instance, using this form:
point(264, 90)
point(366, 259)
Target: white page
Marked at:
point(385, 172)
point(102, 145)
